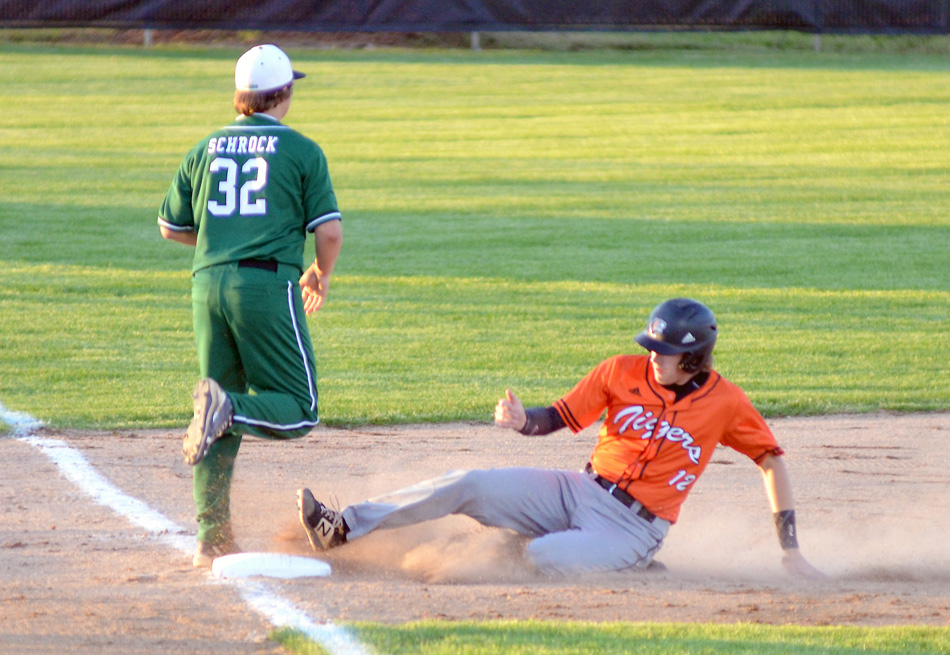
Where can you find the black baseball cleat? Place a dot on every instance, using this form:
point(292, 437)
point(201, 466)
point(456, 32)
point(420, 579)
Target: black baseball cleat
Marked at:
point(213, 415)
point(325, 527)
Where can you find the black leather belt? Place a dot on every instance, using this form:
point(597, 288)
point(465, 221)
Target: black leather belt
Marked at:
point(263, 264)
point(621, 495)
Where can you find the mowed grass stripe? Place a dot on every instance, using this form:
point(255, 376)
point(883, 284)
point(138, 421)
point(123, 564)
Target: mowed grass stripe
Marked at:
point(121, 342)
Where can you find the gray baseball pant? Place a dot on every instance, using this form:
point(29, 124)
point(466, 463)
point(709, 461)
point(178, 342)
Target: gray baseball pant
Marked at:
point(575, 524)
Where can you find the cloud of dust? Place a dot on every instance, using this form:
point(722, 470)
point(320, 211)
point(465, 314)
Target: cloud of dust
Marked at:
point(472, 556)
point(449, 550)
point(883, 548)
point(844, 546)
point(727, 543)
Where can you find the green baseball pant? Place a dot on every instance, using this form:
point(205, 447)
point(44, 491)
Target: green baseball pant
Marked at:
point(252, 338)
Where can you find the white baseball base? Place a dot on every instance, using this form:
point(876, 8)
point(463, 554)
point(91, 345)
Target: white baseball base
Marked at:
point(268, 565)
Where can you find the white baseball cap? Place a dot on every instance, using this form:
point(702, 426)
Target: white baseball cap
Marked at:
point(264, 68)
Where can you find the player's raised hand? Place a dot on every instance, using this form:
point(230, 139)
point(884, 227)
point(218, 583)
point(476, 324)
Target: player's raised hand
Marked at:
point(314, 287)
point(795, 564)
point(509, 412)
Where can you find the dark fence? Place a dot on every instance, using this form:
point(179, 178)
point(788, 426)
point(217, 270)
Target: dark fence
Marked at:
point(867, 16)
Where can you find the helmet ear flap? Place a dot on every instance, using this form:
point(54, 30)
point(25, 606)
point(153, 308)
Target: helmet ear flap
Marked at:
point(691, 362)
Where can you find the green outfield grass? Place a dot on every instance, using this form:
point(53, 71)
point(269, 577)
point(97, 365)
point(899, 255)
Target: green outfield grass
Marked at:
point(547, 638)
point(511, 217)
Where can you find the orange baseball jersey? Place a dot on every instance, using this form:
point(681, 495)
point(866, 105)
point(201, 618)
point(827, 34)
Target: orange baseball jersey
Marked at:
point(653, 447)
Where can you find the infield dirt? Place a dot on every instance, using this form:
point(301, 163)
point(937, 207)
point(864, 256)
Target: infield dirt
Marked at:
point(872, 491)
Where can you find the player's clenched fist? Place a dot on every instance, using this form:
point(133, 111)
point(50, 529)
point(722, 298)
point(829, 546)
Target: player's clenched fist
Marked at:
point(509, 412)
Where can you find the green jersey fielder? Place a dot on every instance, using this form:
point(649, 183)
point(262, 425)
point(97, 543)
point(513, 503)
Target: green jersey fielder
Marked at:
point(245, 197)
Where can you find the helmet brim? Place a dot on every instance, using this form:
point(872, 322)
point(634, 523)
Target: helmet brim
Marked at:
point(657, 346)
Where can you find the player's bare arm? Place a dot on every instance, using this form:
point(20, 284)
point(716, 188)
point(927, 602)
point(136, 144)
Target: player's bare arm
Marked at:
point(778, 488)
point(186, 237)
point(315, 281)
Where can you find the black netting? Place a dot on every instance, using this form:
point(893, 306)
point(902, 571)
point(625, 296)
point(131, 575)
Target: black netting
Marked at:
point(927, 16)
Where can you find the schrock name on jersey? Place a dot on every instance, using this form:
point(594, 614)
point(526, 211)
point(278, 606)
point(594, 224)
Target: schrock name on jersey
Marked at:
point(243, 145)
point(636, 419)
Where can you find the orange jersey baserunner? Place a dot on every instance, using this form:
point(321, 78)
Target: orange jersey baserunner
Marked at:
point(652, 446)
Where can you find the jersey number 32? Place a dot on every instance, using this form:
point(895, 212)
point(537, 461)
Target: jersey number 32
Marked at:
point(239, 190)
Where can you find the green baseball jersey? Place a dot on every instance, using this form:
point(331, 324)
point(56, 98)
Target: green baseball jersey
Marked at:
point(251, 190)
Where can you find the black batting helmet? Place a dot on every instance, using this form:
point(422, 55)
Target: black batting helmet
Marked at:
point(681, 326)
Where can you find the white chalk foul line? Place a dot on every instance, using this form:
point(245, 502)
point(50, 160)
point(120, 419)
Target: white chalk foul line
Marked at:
point(280, 612)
